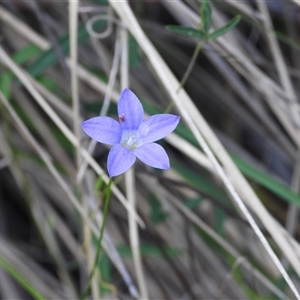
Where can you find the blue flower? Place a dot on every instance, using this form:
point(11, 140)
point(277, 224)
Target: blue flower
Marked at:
point(132, 136)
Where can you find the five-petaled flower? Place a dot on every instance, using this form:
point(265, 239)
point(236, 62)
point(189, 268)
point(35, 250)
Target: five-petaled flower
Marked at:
point(132, 136)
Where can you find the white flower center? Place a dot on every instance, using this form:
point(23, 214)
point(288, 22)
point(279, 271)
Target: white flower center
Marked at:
point(130, 140)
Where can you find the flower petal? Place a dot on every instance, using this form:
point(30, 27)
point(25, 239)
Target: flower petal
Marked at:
point(153, 155)
point(119, 160)
point(103, 129)
point(158, 126)
point(130, 110)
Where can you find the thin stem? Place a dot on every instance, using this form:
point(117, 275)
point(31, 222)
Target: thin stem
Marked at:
point(73, 24)
point(186, 74)
point(105, 213)
point(190, 66)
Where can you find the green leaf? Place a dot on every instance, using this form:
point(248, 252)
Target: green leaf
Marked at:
point(223, 30)
point(20, 57)
point(99, 184)
point(48, 83)
point(205, 16)
point(189, 31)
point(5, 84)
point(26, 53)
point(21, 279)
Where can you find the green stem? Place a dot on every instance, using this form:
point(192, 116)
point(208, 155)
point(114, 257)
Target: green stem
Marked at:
point(186, 74)
point(105, 213)
point(190, 66)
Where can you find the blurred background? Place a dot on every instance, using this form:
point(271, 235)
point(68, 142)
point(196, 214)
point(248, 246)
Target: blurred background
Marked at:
point(175, 234)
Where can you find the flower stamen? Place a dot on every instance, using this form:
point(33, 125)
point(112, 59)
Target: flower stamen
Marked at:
point(130, 140)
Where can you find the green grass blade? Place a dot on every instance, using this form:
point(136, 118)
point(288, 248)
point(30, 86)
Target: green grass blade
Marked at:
point(200, 182)
point(205, 16)
point(284, 38)
point(226, 28)
point(20, 279)
point(267, 181)
point(189, 31)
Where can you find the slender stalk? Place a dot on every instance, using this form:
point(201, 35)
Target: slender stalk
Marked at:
point(186, 74)
point(190, 66)
point(105, 213)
